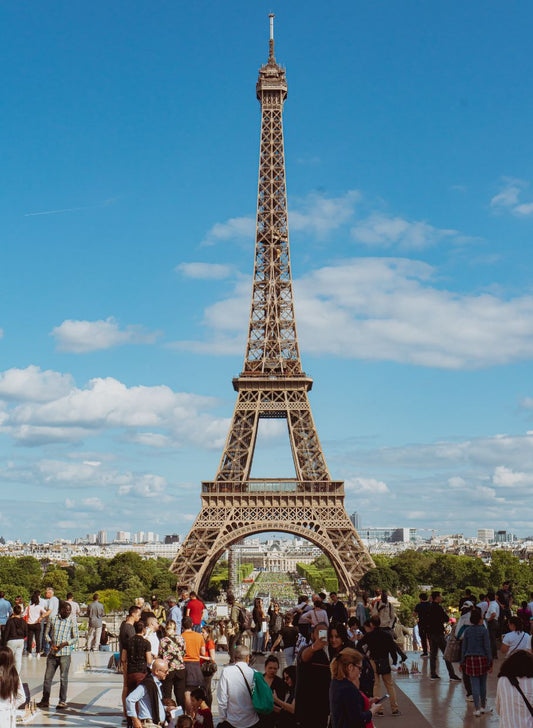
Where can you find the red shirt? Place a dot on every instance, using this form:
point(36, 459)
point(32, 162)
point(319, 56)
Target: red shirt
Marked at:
point(195, 608)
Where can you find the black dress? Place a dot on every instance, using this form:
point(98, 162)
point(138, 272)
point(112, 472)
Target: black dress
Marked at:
point(312, 690)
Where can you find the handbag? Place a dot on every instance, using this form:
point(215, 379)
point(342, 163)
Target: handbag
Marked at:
point(453, 649)
point(208, 667)
point(262, 696)
point(382, 665)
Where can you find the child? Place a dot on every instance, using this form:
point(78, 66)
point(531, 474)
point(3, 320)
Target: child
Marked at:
point(203, 718)
point(173, 713)
point(184, 721)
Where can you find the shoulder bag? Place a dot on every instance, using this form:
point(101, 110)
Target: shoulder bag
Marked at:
point(514, 682)
point(262, 696)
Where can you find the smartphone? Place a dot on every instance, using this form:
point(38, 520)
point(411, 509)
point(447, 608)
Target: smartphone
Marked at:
point(382, 699)
point(322, 634)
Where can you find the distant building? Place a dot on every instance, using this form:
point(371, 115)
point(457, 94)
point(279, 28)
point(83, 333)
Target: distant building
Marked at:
point(355, 518)
point(485, 534)
point(389, 535)
point(172, 538)
point(101, 538)
point(123, 537)
point(504, 537)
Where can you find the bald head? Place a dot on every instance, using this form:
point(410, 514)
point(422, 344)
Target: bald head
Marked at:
point(160, 669)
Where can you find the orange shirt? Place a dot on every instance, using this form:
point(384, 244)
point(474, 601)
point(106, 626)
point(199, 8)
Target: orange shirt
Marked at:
point(193, 643)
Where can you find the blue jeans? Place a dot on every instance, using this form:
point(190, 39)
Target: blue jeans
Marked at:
point(479, 690)
point(52, 663)
point(289, 655)
point(257, 642)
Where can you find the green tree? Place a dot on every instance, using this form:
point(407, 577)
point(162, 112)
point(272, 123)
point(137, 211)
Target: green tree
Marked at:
point(57, 578)
point(111, 599)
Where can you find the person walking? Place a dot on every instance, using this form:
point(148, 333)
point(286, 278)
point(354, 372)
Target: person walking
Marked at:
point(234, 693)
point(172, 649)
point(61, 635)
point(233, 632)
point(194, 610)
point(96, 614)
point(421, 613)
point(16, 631)
point(436, 619)
point(34, 615)
point(477, 660)
point(381, 648)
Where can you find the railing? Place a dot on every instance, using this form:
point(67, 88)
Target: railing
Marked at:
point(274, 485)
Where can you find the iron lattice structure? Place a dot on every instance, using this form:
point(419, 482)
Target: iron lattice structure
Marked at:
point(272, 385)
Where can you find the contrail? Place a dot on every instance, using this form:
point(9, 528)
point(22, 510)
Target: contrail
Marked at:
point(71, 209)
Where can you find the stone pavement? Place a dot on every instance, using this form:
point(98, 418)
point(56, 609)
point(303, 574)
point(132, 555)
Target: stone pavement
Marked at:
point(94, 697)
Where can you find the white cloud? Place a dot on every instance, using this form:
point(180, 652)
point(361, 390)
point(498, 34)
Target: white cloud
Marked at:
point(380, 230)
point(387, 309)
point(366, 485)
point(204, 271)
point(321, 215)
point(508, 478)
point(33, 384)
point(236, 228)
point(80, 337)
point(176, 417)
point(509, 197)
point(92, 504)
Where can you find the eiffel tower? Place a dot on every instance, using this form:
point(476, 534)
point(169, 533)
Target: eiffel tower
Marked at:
point(272, 385)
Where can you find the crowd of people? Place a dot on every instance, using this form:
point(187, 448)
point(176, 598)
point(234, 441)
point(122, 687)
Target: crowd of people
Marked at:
point(326, 665)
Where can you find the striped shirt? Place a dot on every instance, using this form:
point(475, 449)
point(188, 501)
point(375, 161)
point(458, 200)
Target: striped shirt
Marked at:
point(510, 705)
point(62, 630)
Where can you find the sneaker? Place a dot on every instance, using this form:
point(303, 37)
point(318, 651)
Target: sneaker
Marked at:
point(435, 677)
point(38, 656)
point(30, 656)
point(477, 713)
point(43, 704)
point(486, 710)
point(396, 712)
point(424, 654)
point(61, 705)
point(470, 698)
point(455, 678)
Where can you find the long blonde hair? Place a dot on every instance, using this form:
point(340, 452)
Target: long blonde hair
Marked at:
point(339, 665)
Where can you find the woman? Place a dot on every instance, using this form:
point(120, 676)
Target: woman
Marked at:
point(222, 639)
point(349, 707)
point(312, 686)
point(516, 639)
point(203, 718)
point(525, 614)
point(384, 610)
point(477, 660)
point(138, 656)
point(288, 635)
point(194, 651)
point(464, 623)
point(34, 615)
point(338, 639)
point(275, 623)
point(286, 705)
point(277, 685)
point(208, 665)
point(15, 632)
point(259, 617)
point(11, 691)
point(515, 680)
point(172, 650)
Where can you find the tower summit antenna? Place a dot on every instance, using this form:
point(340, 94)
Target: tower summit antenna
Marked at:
point(271, 42)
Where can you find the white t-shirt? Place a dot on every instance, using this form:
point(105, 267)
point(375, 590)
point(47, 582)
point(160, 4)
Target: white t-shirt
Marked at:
point(494, 608)
point(516, 641)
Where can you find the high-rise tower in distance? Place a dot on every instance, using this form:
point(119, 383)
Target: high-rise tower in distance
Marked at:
point(272, 384)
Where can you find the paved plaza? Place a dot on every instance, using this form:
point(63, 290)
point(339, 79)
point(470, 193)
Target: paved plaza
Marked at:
point(94, 697)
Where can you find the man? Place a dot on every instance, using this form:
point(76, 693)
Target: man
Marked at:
point(174, 613)
point(436, 619)
point(504, 597)
point(183, 602)
point(234, 639)
point(234, 698)
point(492, 622)
point(147, 697)
point(158, 610)
point(194, 610)
point(74, 607)
point(6, 610)
point(380, 645)
point(467, 597)
point(61, 635)
point(337, 611)
point(96, 614)
point(126, 632)
point(52, 608)
point(421, 613)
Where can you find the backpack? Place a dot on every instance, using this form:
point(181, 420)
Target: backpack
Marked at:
point(244, 618)
point(261, 694)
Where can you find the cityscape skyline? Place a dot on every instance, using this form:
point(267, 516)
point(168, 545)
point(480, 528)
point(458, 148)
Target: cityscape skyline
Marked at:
point(128, 259)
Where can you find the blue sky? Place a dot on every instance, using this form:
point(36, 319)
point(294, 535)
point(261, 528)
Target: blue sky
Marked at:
point(129, 156)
